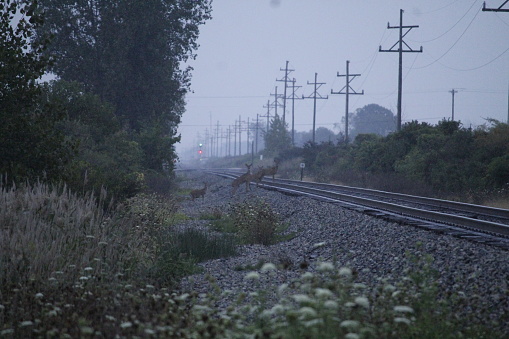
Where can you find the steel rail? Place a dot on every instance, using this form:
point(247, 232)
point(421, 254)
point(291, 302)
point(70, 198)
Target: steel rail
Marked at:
point(472, 224)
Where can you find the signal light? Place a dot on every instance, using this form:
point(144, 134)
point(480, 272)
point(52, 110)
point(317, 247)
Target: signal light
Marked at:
point(200, 152)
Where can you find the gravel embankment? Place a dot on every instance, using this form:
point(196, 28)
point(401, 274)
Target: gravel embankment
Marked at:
point(372, 247)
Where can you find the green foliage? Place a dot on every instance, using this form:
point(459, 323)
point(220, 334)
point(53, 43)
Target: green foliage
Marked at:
point(448, 159)
point(130, 54)
point(31, 145)
point(372, 119)
point(277, 138)
point(255, 221)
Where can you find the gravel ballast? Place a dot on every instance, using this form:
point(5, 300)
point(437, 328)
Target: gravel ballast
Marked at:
point(373, 248)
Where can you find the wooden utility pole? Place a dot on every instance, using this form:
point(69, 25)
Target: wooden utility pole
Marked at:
point(315, 95)
point(400, 51)
point(285, 79)
point(276, 103)
point(293, 97)
point(499, 9)
point(346, 90)
point(268, 115)
point(453, 91)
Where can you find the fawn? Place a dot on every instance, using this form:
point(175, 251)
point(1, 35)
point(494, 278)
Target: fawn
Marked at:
point(199, 193)
point(243, 178)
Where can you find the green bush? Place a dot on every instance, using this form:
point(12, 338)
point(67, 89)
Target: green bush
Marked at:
point(255, 221)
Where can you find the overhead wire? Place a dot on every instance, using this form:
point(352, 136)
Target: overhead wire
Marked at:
point(447, 31)
point(452, 46)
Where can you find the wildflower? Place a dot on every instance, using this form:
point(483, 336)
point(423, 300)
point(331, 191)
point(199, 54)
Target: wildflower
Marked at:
point(252, 276)
point(349, 324)
point(6, 332)
point(149, 287)
point(2, 307)
point(90, 237)
point(182, 297)
point(350, 304)
point(88, 269)
point(150, 331)
point(402, 320)
point(39, 295)
point(276, 309)
point(345, 272)
point(359, 285)
point(395, 294)
point(102, 243)
point(127, 324)
point(314, 322)
point(110, 318)
point(325, 267)
point(331, 304)
point(323, 293)
point(403, 309)
point(52, 279)
point(281, 288)
point(352, 336)
point(267, 267)
point(83, 278)
point(319, 244)
point(362, 301)
point(389, 288)
point(26, 323)
point(307, 312)
point(307, 276)
point(302, 298)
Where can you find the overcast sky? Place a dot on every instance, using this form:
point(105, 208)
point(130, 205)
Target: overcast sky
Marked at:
point(247, 42)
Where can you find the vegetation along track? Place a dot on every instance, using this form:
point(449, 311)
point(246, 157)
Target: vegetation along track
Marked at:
point(473, 222)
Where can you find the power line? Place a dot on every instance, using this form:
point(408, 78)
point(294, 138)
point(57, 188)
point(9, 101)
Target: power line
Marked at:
point(452, 46)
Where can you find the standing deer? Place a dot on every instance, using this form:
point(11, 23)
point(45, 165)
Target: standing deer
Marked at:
point(199, 193)
point(258, 176)
point(243, 178)
point(272, 170)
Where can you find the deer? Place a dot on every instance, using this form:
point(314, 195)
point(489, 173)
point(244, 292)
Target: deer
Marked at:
point(199, 192)
point(244, 178)
point(258, 175)
point(273, 169)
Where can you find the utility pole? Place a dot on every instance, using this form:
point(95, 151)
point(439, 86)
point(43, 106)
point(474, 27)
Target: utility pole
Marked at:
point(268, 114)
point(315, 95)
point(293, 97)
point(256, 137)
point(400, 51)
point(499, 9)
point(453, 91)
point(240, 135)
point(347, 88)
point(276, 101)
point(285, 79)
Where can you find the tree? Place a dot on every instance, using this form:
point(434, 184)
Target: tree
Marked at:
point(130, 53)
point(277, 138)
point(374, 119)
point(30, 144)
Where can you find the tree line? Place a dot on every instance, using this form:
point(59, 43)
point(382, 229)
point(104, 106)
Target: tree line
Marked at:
point(110, 118)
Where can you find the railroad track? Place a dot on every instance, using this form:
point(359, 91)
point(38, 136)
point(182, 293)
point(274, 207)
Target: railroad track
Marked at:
point(473, 222)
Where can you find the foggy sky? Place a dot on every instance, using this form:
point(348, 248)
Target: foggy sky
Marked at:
point(247, 42)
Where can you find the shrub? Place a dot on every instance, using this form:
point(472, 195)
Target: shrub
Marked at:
point(255, 221)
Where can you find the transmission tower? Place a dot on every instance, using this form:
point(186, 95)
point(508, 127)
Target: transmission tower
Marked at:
point(348, 90)
point(499, 9)
point(315, 95)
point(285, 79)
point(400, 51)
